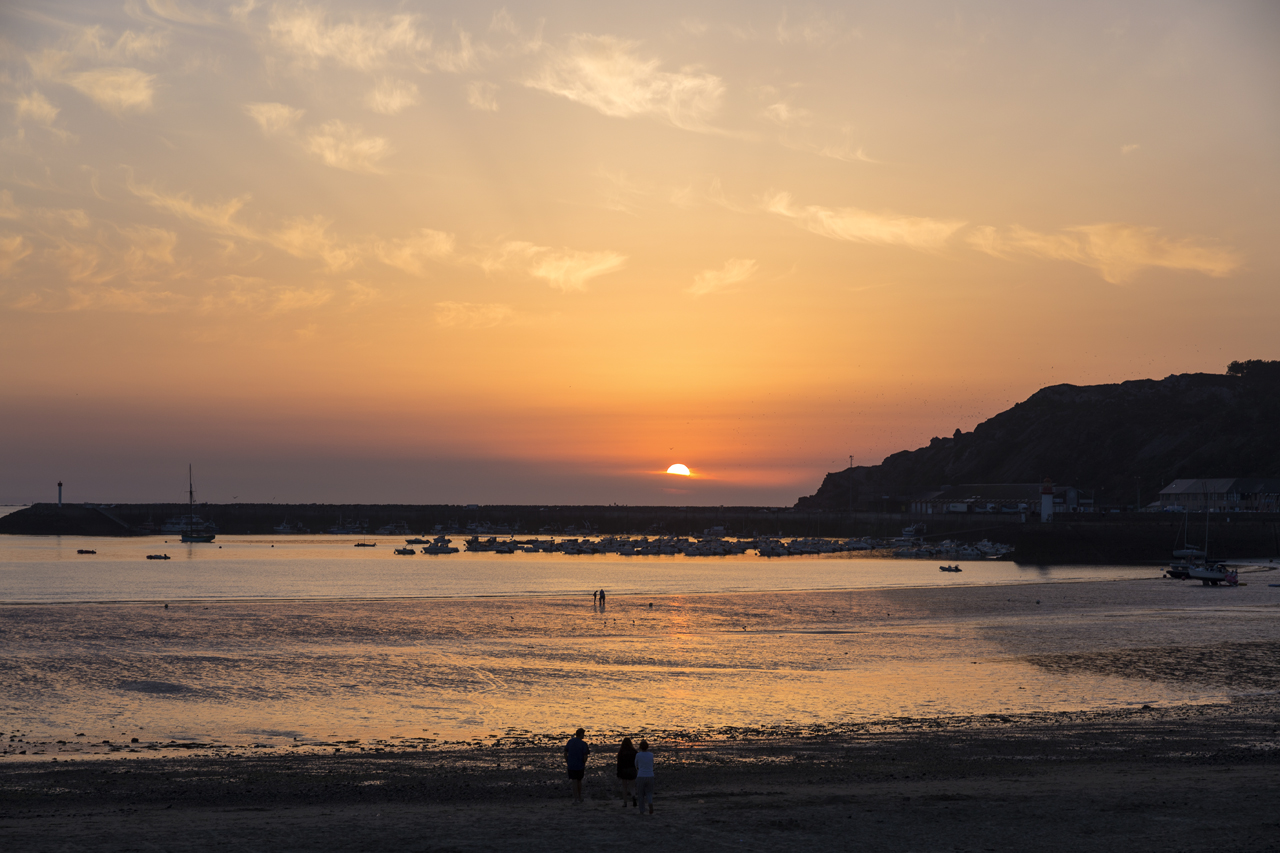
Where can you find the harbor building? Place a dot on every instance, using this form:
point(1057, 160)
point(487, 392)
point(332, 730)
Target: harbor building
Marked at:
point(1222, 494)
point(1006, 498)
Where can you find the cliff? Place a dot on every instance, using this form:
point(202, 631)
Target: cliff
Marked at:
point(1106, 438)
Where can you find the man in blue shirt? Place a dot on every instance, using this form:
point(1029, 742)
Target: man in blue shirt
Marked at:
point(575, 754)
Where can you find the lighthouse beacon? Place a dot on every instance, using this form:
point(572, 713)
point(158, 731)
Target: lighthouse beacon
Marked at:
point(1046, 500)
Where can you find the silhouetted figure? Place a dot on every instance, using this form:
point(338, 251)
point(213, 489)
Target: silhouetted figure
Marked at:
point(602, 599)
point(627, 771)
point(644, 776)
point(575, 755)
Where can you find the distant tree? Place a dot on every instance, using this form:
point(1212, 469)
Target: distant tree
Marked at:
point(1255, 368)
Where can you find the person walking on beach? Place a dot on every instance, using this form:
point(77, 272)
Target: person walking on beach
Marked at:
point(627, 771)
point(575, 755)
point(602, 599)
point(644, 776)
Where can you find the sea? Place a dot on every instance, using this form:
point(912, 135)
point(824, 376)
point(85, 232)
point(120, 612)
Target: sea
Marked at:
point(277, 642)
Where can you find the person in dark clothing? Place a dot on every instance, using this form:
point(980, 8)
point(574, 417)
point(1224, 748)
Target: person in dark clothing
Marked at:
point(575, 755)
point(627, 771)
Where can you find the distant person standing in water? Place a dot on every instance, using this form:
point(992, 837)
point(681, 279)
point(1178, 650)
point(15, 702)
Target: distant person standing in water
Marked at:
point(575, 755)
point(627, 771)
point(644, 776)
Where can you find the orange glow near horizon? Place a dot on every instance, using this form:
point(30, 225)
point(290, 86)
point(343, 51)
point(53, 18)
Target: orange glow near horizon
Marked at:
point(454, 238)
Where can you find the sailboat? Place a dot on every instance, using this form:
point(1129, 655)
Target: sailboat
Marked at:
point(1193, 563)
point(192, 533)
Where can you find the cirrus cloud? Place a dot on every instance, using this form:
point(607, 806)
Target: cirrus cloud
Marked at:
point(1117, 250)
point(564, 269)
point(734, 270)
point(117, 90)
point(343, 146)
point(606, 74)
point(861, 226)
point(363, 45)
point(274, 118)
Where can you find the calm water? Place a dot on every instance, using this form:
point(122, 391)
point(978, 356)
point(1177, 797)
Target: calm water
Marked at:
point(47, 569)
point(318, 640)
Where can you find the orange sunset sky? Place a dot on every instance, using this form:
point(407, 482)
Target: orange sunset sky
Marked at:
point(538, 252)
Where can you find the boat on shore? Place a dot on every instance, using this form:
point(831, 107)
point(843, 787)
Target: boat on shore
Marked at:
point(1213, 574)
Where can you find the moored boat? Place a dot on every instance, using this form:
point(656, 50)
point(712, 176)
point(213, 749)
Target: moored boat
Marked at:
point(196, 530)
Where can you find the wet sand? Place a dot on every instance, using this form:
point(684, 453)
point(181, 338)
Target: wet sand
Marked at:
point(1203, 777)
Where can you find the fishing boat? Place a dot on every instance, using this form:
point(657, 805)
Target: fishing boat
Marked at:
point(406, 551)
point(157, 556)
point(950, 569)
point(440, 545)
point(194, 532)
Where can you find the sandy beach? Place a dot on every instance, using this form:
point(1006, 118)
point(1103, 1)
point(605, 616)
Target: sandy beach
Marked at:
point(1179, 778)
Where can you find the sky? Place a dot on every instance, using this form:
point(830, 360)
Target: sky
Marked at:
point(536, 253)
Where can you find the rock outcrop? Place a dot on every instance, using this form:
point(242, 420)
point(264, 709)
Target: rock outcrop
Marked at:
point(1111, 439)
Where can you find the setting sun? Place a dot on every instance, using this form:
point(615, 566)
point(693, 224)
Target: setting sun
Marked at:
point(682, 470)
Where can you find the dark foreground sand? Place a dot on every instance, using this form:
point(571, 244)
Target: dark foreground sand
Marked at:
point(1176, 779)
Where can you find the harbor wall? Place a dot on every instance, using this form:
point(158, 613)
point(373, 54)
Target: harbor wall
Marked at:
point(1071, 538)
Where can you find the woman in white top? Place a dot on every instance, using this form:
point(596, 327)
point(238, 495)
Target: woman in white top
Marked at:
point(644, 776)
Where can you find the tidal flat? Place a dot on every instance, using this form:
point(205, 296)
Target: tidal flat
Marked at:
point(1128, 714)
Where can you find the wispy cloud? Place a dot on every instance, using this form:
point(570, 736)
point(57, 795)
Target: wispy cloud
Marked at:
point(344, 146)
point(415, 253)
point(1118, 251)
point(35, 107)
point(135, 252)
point(482, 96)
point(306, 237)
point(472, 315)
point(783, 114)
point(563, 269)
point(274, 118)
point(128, 46)
point(219, 218)
point(606, 74)
point(861, 226)
point(366, 45)
point(117, 90)
point(13, 248)
point(734, 271)
point(391, 96)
